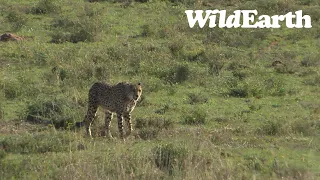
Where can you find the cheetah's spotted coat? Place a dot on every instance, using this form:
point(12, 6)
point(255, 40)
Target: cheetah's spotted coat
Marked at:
point(120, 99)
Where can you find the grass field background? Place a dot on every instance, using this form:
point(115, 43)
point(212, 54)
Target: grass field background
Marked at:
point(215, 103)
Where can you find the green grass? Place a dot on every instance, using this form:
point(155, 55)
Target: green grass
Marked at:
point(213, 105)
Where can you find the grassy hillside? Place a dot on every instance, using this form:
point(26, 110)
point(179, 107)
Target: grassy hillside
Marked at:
point(216, 104)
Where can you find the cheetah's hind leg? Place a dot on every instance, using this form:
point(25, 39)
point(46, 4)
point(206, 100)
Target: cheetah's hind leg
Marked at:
point(89, 118)
point(108, 117)
point(120, 125)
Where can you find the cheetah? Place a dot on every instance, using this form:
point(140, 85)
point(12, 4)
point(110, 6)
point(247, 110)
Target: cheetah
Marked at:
point(120, 99)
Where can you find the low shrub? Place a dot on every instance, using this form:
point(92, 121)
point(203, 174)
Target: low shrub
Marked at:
point(290, 170)
point(148, 30)
point(275, 86)
point(311, 60)
point(150, 128)
point(176, 47)
point(197, 98)
point(170, 158)
point(175, 75)
point(1, 110)
point(305, 128)
point(148, 133)
point(196, 54)
point(80, 29)
point(45, 7)
point(215, 67)
point(240, 91)
point(240, 74)
point(271, 128)
point(220, 137)
point(101, 73)
point(54, 111)
point(181, 74)
point(283, 69)
point(16, 19)
point(195, 117)
point(158, 123)
point(38, 143)
point(314, 81)
point(276, 6)
point(216, 36)
point(313, 12)
point(11, 89)
point(3, 153)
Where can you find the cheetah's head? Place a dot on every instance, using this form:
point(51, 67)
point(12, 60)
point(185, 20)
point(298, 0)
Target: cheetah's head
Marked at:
point(135, 91)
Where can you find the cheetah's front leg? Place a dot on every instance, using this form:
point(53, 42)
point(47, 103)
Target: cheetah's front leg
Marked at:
point(127, 117)
point(120, 125)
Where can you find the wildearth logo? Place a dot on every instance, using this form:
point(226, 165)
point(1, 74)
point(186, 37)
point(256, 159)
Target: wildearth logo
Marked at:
point(246, 19)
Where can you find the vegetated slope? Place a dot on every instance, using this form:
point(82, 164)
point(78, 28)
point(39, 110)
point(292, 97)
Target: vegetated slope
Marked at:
point(217, 103)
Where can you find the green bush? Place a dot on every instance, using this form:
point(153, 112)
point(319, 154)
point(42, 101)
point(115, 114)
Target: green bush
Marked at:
point(153, 123)
point(101, 73)
point(275, 86)
point(38, 143)
point(220, 137)
point(56, 75)
point(304, 2)
point(237, 65)
point(142, 1)
point(196, 54)
point(306, 128)
point(254, 162)
point(181, 74)
point(239, 91)
point(45, 7)
point(16, 19)
point(3, 154)
point(197, 98)
point(271, 128)
point(1, 110)
point(11, 90)
point(56, 111)
point(150, 128)
point(148, 133)
point(153, 84)
point(80, 29)
point(290, 170)
point(216, 36)
point(283, 69)
point(313, 12)
point(176, 47)
point(311, 60)
point(185, 2)
point(240, 74)
point(148, 30)
point(235, 37)
point(175, 75)
point(170, 158)
point(60, 37)
point(215, 67)
point(195, 117)
point(314, 81)
point(45, 108)
point(275, 6)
